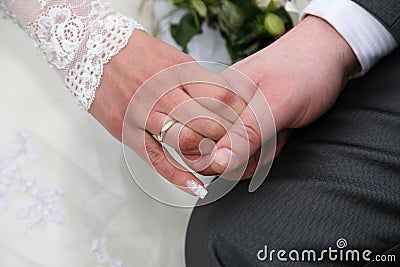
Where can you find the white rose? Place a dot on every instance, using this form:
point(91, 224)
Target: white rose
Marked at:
point(294, 8)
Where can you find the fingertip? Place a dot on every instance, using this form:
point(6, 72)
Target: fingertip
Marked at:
point(226, 159)
point(223, 157)
point(197, 188)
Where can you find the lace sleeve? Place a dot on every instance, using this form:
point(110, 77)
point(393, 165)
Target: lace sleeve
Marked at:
point(77, 38)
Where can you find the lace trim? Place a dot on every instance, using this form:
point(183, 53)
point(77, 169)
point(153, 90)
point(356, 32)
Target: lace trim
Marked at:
point(77, 38)
point(61, 34)
point(85, 77)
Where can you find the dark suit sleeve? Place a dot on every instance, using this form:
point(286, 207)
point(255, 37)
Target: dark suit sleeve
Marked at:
point(387, 11)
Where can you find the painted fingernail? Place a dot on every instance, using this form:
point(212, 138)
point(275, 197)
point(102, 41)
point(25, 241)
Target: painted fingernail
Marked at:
point(225, 157)
point(197, 189)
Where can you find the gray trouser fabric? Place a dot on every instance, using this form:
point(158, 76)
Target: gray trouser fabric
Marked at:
point(337, 178)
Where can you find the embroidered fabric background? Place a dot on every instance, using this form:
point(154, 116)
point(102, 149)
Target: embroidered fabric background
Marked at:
point(99, 199)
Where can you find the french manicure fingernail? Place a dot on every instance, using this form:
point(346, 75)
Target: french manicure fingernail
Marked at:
point(197, 189)
point(225, 156)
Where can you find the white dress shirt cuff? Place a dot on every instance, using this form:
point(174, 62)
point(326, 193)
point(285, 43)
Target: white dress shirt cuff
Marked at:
point(367, 36)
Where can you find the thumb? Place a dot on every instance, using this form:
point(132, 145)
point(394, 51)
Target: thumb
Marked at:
point(248, 134)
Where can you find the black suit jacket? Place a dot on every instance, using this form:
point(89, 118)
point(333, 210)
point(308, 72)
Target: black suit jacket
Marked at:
point(387, 11)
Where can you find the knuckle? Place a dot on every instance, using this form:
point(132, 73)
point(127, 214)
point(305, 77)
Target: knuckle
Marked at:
point(248, 133)
point(167, 101)
point(155, 155)
point(253, 135)
point(214, 130)
point(162, 165)
point(189, 140)
point(226, 97)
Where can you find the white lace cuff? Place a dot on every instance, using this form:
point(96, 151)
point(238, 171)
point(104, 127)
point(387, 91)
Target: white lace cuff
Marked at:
point(77, 38)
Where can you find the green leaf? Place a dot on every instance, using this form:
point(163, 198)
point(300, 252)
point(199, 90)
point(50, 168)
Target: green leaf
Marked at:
point(185, 30)
point(212, 2)
point(199, 7)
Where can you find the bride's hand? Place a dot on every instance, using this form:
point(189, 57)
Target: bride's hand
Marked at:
point(143, 57)
point(301, 76)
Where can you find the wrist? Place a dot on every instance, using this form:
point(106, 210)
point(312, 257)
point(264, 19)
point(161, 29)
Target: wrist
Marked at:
point(331, 44)
point(305, 70)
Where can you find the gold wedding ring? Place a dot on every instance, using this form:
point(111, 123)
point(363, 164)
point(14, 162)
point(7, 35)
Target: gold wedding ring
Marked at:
point(164, 130)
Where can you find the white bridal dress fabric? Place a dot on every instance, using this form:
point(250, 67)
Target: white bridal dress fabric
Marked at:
point(66, 197)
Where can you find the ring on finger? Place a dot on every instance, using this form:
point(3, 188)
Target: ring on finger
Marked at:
point(164, 129)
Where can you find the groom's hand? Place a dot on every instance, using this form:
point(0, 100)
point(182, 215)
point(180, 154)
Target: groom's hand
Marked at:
point(154, 104)
point(300, 75)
